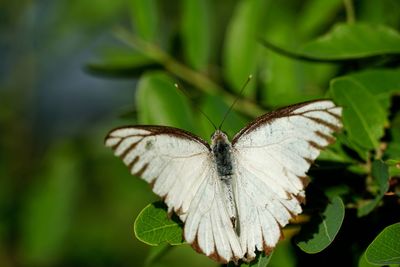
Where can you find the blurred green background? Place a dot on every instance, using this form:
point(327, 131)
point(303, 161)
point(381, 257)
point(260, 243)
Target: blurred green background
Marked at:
point(68, 75)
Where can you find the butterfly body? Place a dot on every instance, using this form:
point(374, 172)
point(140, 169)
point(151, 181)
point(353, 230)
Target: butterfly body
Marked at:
point(233, 197)
point(222, 154)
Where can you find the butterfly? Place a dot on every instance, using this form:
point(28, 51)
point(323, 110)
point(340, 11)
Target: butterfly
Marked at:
point(234, 197)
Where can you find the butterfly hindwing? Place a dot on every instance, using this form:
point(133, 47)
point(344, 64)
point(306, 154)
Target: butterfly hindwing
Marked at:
point(273, 154)
point(208, 227)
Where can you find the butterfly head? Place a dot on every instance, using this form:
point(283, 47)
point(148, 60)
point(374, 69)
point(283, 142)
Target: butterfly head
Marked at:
point(219, 137)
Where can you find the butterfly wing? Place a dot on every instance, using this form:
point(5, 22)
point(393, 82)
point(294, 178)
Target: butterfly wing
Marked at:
point(273, 155)
point(208, 227)
point(179, 166)
point(170, 159)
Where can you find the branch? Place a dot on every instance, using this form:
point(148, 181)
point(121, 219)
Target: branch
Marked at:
point(349, 7)
point(198, 80)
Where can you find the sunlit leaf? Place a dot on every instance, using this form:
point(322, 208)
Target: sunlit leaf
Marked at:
point(385, 249)
point(316, 14)
point(347, 41)
point(362, 262)
point(240, 47)
point(145, 18)
point(196, 32)
point(285, 81)
point(316, 240)
point(382, 83)
point(363, 116)
point(154, 227)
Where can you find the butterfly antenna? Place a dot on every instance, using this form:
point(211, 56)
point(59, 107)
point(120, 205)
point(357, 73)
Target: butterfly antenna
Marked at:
point(237, 98)
point(204, 114)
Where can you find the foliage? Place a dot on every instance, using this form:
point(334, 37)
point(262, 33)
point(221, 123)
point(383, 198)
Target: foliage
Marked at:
point(385, 249)
point(314, 241)
point(67, 201)
point(361, 52)
point(153, 227)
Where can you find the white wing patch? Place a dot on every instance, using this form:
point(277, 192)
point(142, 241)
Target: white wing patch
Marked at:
point(272, 156)
point(167, 158)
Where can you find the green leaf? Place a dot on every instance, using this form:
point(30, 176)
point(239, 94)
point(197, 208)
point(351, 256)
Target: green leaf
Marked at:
point(153, 227)
point(159, 102)
point(145, 18)
point(366, 206)
point(319, 239)
point(380, 174)
point(382, 83)
point(394, 166)
point(392, 162)
point(378, 84)
point(393, 149)
point(240, 47)
point(385, 249)
point(362, 262)
point(285, 81)
point(381, 12)
point(363, 116)
point(196, 32)
point(316, 14)
point(348, 41)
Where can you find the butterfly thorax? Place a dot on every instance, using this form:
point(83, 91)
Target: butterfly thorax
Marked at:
point(221, 149)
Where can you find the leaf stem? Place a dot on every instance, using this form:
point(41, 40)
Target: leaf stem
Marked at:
point(349, 7)
point(178, 69)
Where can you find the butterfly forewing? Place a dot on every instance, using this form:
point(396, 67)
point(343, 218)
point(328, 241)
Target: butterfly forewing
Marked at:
point(273, 154)
point(172, 160)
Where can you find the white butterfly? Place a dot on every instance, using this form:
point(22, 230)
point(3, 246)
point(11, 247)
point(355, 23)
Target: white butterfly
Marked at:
point(233, 197)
